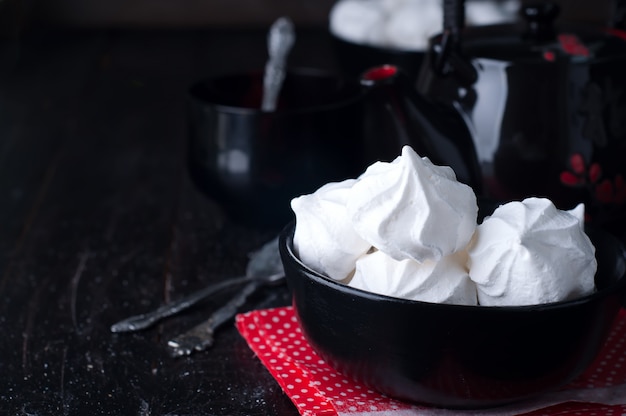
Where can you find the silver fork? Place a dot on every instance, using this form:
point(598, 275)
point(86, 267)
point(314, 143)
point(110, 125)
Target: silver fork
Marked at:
point(146, 320)
point(264, 267)
point(201, 336)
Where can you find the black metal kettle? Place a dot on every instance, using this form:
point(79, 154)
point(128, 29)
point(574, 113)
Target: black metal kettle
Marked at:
point(545, 102)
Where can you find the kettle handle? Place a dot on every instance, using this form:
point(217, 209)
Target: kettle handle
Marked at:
point(398, 115)
point(446, 54)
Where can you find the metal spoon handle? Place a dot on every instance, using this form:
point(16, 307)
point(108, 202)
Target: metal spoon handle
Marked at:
point(145, 320)
point(280, 40)
point(200, 337)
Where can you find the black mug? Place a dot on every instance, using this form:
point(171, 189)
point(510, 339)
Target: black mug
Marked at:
point(325, 129)
point(252, 161)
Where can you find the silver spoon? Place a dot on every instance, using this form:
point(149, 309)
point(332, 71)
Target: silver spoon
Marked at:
point(200, 337)
point(263, 263)
point(280, 39)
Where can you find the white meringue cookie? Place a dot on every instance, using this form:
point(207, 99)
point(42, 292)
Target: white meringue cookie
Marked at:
point(579, 212)
point(408, 24)
point(529, 253)
point(444, 281)
point(356, 20)
point(489, 12)
point(401, 30)
point(410, 208)
point(324, 238)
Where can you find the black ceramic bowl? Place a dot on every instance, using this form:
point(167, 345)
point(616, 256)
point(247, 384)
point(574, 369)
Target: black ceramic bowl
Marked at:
point(355, 58)
point(450, 355)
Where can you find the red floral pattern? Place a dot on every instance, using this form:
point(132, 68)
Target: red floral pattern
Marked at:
point(605, 191)
point(572, 45)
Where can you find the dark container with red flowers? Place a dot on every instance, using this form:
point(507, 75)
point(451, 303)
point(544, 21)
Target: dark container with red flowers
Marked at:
point(546, 103)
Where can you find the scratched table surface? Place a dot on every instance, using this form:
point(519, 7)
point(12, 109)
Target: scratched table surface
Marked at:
point(99, 220)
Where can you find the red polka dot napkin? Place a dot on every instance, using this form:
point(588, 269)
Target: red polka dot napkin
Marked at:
point(318, 390)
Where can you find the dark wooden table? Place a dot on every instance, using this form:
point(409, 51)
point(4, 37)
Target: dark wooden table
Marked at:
point(99, 220)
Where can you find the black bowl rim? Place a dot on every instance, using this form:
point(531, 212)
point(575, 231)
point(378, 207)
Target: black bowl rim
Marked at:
point(286, 245)
point(298, 71)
